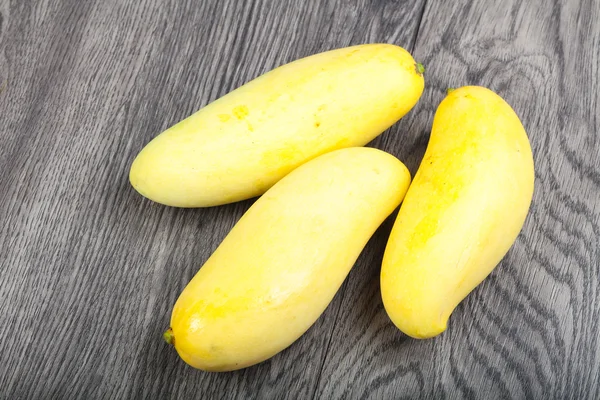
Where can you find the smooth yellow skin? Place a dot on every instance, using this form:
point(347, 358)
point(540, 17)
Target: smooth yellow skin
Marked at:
point(463, 211)
point(283, 262)
point(240, 145)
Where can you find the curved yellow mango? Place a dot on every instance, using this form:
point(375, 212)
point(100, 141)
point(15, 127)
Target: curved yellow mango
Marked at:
point(238, 146)
point(282, 263)
point(463, 211)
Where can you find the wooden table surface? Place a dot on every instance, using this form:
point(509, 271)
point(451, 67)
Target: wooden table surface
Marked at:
point(90, 270)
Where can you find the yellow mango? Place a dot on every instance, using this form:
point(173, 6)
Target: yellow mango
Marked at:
point(241, 144)
point(463, 211)
point(282, 263)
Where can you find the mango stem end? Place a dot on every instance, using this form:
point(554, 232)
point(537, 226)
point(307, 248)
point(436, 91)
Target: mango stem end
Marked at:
point(169, 337)
point(420, 68)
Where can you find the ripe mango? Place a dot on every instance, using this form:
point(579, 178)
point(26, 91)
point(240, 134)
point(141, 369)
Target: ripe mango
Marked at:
point(238, 146)
point(282, 263)
point(463, 211)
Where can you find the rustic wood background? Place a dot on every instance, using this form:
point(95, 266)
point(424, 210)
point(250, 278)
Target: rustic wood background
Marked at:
point(89, 270)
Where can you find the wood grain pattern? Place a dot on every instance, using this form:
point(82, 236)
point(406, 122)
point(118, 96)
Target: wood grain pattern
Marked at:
point(531, 329)
point(89, 270)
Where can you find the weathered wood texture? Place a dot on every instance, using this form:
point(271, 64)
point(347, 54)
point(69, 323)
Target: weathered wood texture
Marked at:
point(531, 329)
point(89, 270)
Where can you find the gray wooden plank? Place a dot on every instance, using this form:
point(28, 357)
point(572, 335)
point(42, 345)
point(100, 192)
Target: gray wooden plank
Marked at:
point(531, 329)
point(89, 269)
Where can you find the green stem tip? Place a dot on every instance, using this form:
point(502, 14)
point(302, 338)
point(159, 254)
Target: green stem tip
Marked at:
point(420, 68)
point(169, 337)
point(449, 90)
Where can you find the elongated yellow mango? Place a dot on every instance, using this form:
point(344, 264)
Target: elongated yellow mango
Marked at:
point(463, 211)
point(241, 144)
point(282, 263)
